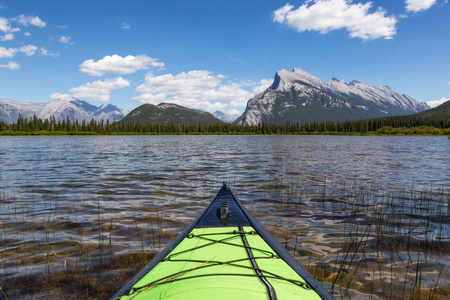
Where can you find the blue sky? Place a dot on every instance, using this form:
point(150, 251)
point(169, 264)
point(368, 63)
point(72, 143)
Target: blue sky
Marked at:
point(217, 54)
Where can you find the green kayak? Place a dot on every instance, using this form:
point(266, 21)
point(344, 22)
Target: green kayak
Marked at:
point(224, 254)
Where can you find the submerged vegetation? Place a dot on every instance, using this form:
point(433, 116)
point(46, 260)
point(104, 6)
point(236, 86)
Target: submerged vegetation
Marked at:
point(403, 125)
point(355, 238)
point(388, 242)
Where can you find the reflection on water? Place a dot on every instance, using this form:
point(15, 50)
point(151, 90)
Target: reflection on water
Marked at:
point(366, 201)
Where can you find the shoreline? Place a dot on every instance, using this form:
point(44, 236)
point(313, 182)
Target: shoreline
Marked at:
point(48, 134)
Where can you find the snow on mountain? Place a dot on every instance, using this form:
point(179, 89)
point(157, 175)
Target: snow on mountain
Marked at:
point(284, 79)
point(299, 96)
point(11, 110)
point(376, 93)
point(225, 117)
point(61, 109)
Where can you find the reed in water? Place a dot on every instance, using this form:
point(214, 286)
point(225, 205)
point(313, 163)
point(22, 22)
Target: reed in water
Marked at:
point(361, 240)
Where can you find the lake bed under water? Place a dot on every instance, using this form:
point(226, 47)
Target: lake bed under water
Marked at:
point(365, 215)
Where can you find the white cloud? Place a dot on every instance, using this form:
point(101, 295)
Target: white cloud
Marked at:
point(7, 52)
point(10, 52)
point(418, 5)
point(327, 15)
point(45, 52)
point(198, 89)
point(262, 85)
point(11, 65)
point(65, 40)
point(436, 103)
point(125, 25)
point(119, 65)
point(4, 25)
point(194, 84)
point(29, 50)
point(61, 96)
point(99, 90)
point(234, 112)
point(7, 37)
point(30, 20)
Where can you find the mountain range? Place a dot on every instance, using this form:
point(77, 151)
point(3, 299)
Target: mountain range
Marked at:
point(301, 97)
point(61, 109)
point(295, 96)
point(229, 118)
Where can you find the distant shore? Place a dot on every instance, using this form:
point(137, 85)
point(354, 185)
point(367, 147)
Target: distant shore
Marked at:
point(386, 131)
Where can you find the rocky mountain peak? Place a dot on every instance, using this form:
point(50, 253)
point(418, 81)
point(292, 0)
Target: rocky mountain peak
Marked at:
point(299, 96)
point(284, 80)
point(224, 116)
point(279, 80)
point(60, 108)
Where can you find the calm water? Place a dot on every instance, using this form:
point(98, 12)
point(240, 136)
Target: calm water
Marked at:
point(140, 184)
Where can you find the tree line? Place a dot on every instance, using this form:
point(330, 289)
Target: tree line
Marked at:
point(387, 125)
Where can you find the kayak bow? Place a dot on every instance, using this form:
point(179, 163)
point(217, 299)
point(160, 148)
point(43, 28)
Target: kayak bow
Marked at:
point(224, 254)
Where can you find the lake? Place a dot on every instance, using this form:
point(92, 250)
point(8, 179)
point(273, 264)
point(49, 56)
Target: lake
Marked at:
point(366, 215)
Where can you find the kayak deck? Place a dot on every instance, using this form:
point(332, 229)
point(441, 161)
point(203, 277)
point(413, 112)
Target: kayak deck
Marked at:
point(224, 257)
point(215, 262)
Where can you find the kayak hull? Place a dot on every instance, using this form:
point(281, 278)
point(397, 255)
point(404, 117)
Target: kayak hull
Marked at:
point(223, 257)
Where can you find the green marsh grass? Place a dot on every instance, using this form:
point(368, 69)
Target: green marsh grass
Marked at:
point(380, 241)
point(360, 240)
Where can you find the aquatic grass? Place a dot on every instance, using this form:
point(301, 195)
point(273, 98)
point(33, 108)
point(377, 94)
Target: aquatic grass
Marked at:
point(397, 235)
point(41, 236)
point(398, 221)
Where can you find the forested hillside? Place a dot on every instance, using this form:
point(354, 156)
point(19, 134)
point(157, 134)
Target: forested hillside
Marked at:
point(418, 124)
